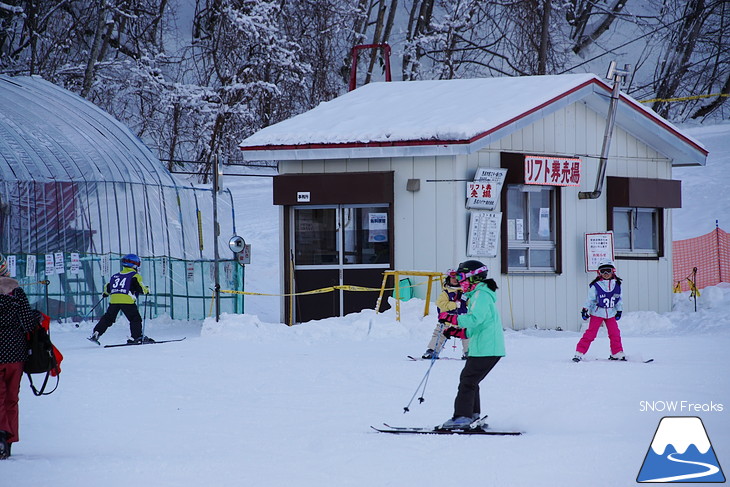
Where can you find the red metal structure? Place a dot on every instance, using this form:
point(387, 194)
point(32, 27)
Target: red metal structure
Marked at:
point(356, 50)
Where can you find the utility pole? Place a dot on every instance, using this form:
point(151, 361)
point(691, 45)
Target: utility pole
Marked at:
point(216, 233)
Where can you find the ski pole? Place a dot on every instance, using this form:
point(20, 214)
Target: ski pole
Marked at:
point(144, 320)
point(45, 282)
point(89, 312)
point(423, 383)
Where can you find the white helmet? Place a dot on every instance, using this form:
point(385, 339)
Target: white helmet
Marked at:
point(607, 263)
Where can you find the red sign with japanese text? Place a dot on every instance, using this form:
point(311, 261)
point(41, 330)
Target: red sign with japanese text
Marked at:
point(552, 171)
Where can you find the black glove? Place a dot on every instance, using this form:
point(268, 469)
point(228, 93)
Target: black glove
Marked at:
point(454, 331)
point(451, 320)
point(584, 314)
point(618, 315)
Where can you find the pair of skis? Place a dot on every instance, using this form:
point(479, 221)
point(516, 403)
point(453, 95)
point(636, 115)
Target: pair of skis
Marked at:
point(136, 343)
point(477, 427)
point(143, 343)
point(398, 430)
point(420, 359)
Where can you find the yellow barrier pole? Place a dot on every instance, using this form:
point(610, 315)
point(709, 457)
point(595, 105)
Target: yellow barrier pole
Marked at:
point(397, 296)
point(428, 295)
point(382, 290)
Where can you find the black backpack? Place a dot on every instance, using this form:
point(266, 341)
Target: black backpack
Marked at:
point(43, 357)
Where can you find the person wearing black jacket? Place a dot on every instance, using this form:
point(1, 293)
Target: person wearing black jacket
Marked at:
point(16, 319)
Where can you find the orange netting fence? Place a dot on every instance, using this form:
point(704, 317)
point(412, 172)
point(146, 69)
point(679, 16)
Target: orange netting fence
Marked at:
point(709, 254)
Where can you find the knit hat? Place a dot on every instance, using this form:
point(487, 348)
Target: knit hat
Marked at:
point(4, 269)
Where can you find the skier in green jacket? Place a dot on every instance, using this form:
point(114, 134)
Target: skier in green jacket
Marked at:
point(483, 326)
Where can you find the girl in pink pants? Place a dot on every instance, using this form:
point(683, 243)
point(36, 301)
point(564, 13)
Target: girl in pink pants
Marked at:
point(604, 305)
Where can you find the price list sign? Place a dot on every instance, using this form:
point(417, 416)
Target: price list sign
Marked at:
point(484, 233)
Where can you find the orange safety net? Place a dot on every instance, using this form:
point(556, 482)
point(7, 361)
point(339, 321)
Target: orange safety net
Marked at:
point(709, 253)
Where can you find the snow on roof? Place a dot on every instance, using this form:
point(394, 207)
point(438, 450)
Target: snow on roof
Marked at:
point(388, 119)
point(48, 133)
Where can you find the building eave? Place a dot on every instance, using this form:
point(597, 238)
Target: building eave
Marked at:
point(631, 116)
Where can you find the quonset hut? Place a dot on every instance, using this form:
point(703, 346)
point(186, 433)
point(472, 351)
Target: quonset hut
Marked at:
point(78, 190)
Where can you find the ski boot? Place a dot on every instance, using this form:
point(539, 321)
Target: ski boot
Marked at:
point(94, 338)
point(618, 356)
point(578, 357)
point(458, 423)
point(430, 354)
point(142, 339)
point(4, 445)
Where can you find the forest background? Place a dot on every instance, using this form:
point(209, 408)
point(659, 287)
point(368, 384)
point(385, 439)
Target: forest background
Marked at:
point(193, 78)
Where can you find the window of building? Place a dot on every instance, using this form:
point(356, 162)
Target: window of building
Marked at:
point(636, 230)
point(341, 235)
point(532, 228)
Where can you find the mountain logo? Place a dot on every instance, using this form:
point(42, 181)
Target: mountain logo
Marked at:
point(681, 452)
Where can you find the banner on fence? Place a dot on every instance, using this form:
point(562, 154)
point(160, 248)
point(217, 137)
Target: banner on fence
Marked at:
point(709, 253)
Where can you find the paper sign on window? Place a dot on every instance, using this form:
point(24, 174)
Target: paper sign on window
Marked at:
point(75, 263)
point(50, 265)
point(30, 266)
point(377, 227)
point(11, 265)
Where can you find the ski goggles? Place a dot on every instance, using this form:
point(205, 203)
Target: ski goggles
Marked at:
point(466, 275)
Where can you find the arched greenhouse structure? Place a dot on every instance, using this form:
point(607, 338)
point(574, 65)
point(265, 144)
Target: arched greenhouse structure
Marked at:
point(78, 190)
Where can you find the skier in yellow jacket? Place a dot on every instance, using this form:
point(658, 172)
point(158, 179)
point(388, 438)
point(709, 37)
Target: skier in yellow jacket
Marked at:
point(123, 289)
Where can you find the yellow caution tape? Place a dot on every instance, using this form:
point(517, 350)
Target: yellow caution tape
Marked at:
point(320, 291)
point(685, 98)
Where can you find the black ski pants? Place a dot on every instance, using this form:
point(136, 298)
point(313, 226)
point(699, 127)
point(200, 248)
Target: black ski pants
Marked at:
point(467, 399)
point(129, 310)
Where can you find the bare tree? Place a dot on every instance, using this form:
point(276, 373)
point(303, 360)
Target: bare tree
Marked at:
point(675, 65)
point(250, 69)
point(589, 19)
point(419, 28)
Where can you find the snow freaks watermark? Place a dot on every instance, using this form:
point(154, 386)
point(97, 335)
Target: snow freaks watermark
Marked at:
point(686, 407)
point(680, 451)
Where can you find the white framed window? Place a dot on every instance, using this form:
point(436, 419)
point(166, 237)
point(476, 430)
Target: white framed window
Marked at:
point(341, 235)
point(532, 228)
point(636, 231)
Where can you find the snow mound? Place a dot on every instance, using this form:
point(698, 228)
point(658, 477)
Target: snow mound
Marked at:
point(645, 323)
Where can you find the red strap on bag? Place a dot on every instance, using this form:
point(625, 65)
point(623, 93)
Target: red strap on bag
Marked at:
point(46, 324)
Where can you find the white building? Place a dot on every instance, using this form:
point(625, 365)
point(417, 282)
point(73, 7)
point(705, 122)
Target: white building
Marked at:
point(391, 162)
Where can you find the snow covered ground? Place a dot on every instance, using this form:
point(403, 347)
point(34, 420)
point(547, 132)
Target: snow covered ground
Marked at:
point(250, 401)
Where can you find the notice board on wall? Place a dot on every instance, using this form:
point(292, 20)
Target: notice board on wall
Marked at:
point(483, 234)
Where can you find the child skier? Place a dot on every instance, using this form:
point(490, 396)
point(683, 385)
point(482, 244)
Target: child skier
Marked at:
point(604, 305)
point(448, 302)
point(483, 325)
point(123, 289)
